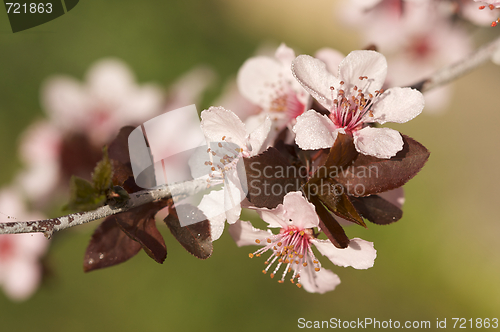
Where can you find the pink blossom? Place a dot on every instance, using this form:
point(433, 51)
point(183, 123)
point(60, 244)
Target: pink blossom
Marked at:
point(20, 268)
point(292, 246)
point(494, 3)
point(417, 37)
point(269, 84)
point(230, 143)
point(99, 107)
point(354, 99)
point(84, 116)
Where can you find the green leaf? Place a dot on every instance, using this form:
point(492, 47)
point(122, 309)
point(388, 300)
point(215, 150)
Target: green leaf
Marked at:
point(83, 195)
point(103, 172)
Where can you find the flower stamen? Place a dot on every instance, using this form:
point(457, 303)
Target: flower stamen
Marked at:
point(292, 248)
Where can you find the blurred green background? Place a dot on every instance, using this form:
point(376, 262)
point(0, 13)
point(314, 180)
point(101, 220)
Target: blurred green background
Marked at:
point(442, 260)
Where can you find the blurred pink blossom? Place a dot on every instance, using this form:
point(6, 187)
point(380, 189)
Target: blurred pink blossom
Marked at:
point(85, 116)
point(20, 267)
point(417, 37)
point(268, 83)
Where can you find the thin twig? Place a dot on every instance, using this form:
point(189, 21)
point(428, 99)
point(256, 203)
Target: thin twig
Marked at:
point(49, 226)
point(459, 69)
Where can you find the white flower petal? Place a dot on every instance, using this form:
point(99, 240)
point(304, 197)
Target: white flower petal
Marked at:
point(318, 282)
point(258, 136)
point(363, 63)
point(110, 81)
point(65, 101)
point(360, 254)
point(274, 217)
point(314, 131)
point(21, 278)
point(313, 75)
point(398, 105)
point(244, 234)
point(144, 104)
point(256, 79)
point(217, 122)
point(378, 142)
point(233, 195)
point(299, 210)
point(212, 205)
point(285, 55)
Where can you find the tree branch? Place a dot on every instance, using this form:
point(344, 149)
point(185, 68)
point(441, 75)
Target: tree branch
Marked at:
point(181, 190)
point(459, 69)
point(49, 226)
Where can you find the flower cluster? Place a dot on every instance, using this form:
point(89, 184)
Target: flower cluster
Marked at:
point(310, 157)
point(301, 158)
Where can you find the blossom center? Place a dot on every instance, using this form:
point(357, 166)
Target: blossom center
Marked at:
point(288, 104)
point(350, 108)
point(6, 247)
point(224, 157)
point(291, 248)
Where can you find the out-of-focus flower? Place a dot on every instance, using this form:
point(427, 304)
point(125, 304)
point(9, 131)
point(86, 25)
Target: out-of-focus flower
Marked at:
point(83, 117)
point(269, 84)
point(292, 246)
point(494, 3)
point(354, 98)
point(491, 4)
point(20, 268)
point(417, 37)
point(470, 11)
point(98, 108)
point(431, 41)
point(232, 143)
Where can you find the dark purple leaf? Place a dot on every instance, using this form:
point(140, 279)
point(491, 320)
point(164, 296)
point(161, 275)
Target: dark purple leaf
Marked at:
point(195, 238)
point(329, 225)
point(270, 177)
point(119, 154)
point(333, 196)
point(369, 175)
point(118, 149)
point(140, 225)
point(78, 156)
point(377, 210)
point(342, 153)
point(108, 246)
